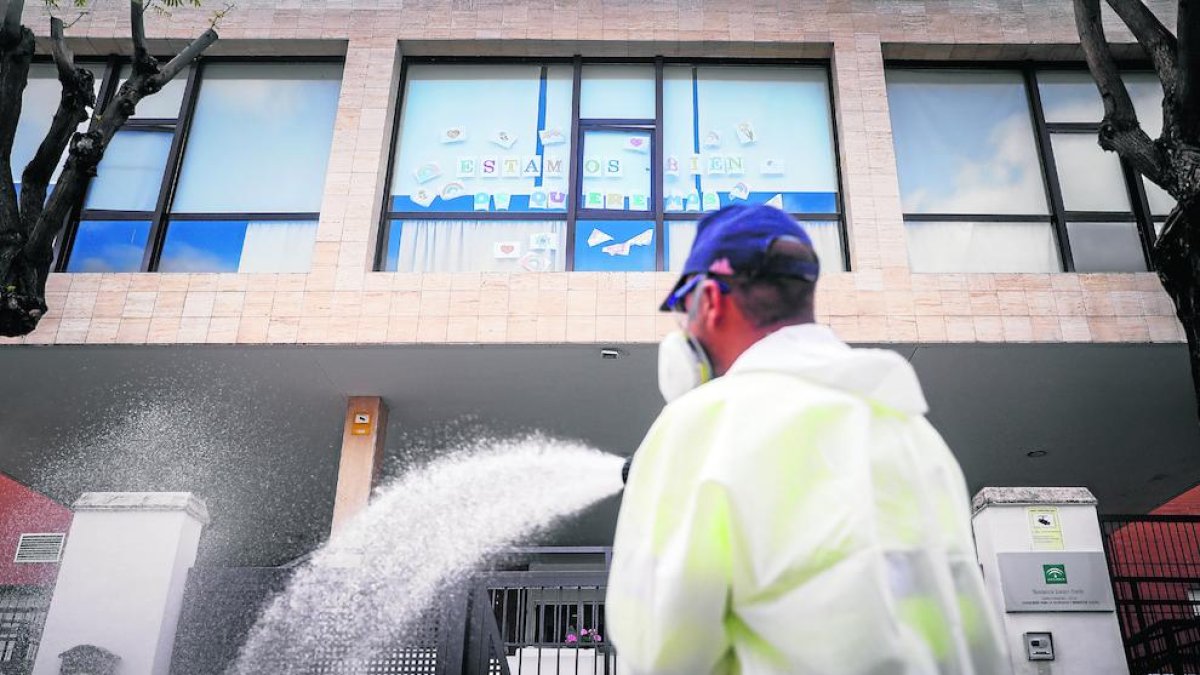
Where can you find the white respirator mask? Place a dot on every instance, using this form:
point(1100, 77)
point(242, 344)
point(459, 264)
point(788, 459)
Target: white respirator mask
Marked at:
point(683, 365)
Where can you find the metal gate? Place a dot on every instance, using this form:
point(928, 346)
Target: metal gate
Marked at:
point(22, 616)
point(539, 623)
point(503, 623)
point(221, 605)
point(1154, 562)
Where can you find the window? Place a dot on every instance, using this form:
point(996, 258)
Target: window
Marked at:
point(600, 166)
point(221, 171)
point(990, 184)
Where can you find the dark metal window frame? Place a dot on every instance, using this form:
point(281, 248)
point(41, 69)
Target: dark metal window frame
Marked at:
point(180, 128)
point(1058, 216)
point(575, 212)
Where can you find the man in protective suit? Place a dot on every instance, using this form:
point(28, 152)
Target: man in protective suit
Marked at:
point(791, 510)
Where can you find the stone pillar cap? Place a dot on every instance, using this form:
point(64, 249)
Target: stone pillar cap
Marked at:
point(1010, 496)
point(144, 501)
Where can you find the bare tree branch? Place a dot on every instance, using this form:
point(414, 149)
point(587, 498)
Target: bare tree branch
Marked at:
point(87, 149)
point(77, 96)
point(142, 61)
point(1119, 131)
point(185, 57)
point(64, 58)
point(1188, 92)
point(16, 52)
point(10, 20)
point(1162, 47)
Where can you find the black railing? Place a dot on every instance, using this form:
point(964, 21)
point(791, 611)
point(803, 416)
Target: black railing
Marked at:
point(502, 623)
point(1154, 562)
point(539, 623)
point(22, 616)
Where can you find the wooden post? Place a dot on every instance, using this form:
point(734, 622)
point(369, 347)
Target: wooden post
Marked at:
point(362, 457)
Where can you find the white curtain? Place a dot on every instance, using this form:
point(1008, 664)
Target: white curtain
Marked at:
point(481, 246)
point(278, 247)
point(826, 238)
point(982, 247)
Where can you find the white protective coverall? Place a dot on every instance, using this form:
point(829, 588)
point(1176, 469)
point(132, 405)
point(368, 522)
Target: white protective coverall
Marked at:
point(799, 515)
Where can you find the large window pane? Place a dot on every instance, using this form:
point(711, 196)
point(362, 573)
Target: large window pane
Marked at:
point(1069, 96)
point(483, 138)
point(1072, 96)
point(165, 104)
point(826, 238)
point(1146, 92)
point(38, 103)
point(260, 139)
point(131, 173)
point(109, 246)
point(749, 134)
point(1106, 247)
point(616, 170)
point(615, 246)
point(982, 247)
point(617, 92)
point(476, 246)
point(964, 142)
point(1091, 178)
point(238, 246)
point(1161, 202)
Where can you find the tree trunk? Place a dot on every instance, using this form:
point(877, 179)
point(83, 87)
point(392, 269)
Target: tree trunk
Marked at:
point(28, 229)
point(21, 298)
point(1177, 259)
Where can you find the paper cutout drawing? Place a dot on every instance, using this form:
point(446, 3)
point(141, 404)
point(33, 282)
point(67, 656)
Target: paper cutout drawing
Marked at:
point(504, 139)
point(427, 172)
point(623, 248)
point(745, 133)
point(598, 237)
point(552, 136)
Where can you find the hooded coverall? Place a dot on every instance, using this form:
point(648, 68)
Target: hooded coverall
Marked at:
point(799, 515)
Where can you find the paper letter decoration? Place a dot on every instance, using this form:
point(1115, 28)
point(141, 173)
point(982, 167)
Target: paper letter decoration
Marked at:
point(532, 167)
point(552, 167)
point(466, 167)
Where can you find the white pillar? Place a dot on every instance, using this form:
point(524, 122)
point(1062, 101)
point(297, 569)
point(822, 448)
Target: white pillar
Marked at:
point(121, 581)
point(1026, 538)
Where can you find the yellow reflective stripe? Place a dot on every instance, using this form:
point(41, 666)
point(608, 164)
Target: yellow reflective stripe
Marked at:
point(925, 617)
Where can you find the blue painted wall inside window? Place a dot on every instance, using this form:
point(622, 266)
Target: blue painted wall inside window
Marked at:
point(615, 246)
point(203, 246)
point(109, 246)
point(238, 246)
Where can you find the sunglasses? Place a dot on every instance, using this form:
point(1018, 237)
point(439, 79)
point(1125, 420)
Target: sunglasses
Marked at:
point(678, 300)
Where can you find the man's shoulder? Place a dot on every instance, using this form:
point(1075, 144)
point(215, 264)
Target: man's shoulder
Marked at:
point(757, 388)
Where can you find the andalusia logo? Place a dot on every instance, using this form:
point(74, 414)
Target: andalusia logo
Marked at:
point(1055, 574)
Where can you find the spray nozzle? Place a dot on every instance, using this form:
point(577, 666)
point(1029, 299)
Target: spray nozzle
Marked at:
point(625, 469)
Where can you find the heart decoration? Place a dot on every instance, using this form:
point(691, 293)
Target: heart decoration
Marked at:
point(507, 248)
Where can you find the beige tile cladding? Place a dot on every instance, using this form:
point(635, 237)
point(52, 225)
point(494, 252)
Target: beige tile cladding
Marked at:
point(340, 301)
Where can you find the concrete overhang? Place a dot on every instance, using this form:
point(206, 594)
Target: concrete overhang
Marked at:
point(256, 430)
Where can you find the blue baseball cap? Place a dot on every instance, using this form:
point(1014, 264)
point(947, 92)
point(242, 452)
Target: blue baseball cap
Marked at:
point(734, 242)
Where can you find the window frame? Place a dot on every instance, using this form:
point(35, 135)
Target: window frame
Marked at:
point(1059, 216)
point(574, 212)
point(180, 128)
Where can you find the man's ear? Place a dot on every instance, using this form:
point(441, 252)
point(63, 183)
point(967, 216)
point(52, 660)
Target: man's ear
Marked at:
point(717, 303)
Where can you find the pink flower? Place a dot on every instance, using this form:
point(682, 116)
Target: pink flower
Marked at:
point(572, 638)
point(598, 638)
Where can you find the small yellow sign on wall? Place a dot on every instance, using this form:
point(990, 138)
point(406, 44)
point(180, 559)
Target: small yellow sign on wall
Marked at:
point(361, 424)
point(1045, 528)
